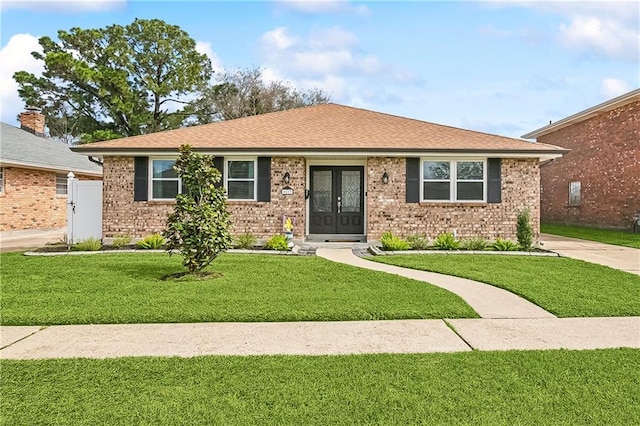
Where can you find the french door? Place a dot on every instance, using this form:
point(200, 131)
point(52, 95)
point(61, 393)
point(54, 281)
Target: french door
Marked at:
point(337, 200)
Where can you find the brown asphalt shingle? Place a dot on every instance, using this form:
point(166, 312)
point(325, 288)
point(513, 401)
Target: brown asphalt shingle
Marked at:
point(328, 126)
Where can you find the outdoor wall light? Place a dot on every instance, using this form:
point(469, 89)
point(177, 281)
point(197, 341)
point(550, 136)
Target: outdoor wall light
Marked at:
point(286, 178)
point(385, 177)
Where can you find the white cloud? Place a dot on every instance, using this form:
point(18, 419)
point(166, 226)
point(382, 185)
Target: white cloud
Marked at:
point(612, 87)
point(324, 6)
point(65, 5)
point(277, 39)
point(601, 37)
point(16, 56)
point(204, 47)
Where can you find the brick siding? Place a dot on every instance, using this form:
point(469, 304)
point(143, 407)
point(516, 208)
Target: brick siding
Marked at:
point(605, 158)
point(388, 211)
point(386, 206)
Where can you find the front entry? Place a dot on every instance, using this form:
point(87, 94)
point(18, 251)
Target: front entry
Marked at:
point(337, 200)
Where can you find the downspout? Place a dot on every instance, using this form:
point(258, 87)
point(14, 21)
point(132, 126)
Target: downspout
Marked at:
point(93, 160)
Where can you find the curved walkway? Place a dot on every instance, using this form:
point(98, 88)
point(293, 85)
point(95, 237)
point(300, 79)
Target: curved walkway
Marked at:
point(488, 301)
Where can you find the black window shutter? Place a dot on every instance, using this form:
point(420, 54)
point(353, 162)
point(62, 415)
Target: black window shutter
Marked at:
point(141, 178)
point(264, 179)
point(218, 163)
point(413, 180)
point(494, 184)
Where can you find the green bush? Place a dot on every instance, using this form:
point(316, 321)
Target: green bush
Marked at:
point(446, 241)
point(90, 244)
point(505, 245)
point(277, 242)
point(418, 242)
point(475, 244)
point(121, 241)
point(524, 231)
point(392, 242)
point(245, 241)
point(151, 242)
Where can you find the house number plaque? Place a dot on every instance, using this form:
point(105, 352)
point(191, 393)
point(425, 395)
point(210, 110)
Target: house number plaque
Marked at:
point(287, 190)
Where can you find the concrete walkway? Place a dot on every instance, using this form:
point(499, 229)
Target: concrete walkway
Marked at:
point(29, 239)
point(617, 257)
point(317, 338)
point(488, 301)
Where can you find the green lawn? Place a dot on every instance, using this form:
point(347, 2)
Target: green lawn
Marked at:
point(565, 287)
point(606, 236)
point(485, 388)
point(126, 288)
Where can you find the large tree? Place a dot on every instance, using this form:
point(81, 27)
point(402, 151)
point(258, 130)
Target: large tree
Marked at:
point(117, 81)
point(244, 92)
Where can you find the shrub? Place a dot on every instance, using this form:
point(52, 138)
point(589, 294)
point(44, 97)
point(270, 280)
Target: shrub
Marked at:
point(199, 224)
point(151, 242)
point(524, 231)
point(90, 244)
point(245, 241)
point(475, 244)
point(393, 243)
point(121, 241)
point(505, 245)
point(418, 242)
point(277, 242)
point(446, 241)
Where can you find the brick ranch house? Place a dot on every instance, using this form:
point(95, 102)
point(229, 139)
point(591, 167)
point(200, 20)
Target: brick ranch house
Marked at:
point(33, 176)
point(598, 182)
point(341, 173)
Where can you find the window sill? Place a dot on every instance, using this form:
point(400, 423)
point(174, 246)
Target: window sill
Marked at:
point(161, 202)
point(453, 204)
point(243, 202)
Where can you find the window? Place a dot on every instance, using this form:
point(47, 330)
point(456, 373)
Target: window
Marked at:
point(61, 184)
point(165, 184)
point(240, 179)
point(574, 193)
point(462, 180)
point(1, 180)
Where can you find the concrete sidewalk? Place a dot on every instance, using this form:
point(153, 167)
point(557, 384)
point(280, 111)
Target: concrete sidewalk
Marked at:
point(617, 257)
point(488, 301)
point(29, 239)
point(317, 338)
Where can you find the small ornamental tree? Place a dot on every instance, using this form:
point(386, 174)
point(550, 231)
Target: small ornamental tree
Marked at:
point(524, 231)
point(199, 224)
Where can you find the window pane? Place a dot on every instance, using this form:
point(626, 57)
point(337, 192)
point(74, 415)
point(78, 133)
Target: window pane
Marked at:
point(240, 169)
point(470, 170)
point(351, 191)
point(165, 188)
point(240, 190)
point(322, 190)
point(61, 184)
point(436, 191)
point(1, 179)
point(574, 193)
point(436, 170)
point(163, 169)
point(470, 190)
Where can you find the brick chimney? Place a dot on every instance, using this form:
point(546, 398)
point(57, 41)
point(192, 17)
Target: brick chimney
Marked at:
point(32, 121)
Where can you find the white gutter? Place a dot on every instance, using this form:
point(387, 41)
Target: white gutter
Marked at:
point(22, 165)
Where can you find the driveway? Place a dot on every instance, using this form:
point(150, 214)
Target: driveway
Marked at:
point(30, 239)
point(618, 257)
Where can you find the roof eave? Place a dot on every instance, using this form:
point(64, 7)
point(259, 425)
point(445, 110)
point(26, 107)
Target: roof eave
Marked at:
point(25, 165)
point(586, 114)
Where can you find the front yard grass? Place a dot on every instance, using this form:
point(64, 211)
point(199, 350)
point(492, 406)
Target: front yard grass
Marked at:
point(565, 287)
point(554, 387)
point(607, 236)
point(127, 288)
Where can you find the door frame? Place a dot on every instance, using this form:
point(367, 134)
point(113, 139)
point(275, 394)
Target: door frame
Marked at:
point(358, 162)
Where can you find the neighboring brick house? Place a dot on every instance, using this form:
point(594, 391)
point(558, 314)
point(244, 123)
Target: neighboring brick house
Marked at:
point(33, 176)
point(598, 182)
point(342, 173)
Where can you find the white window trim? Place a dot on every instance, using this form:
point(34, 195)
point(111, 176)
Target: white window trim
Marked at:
point(255, 177)
point(453, 179)
point(151, 179)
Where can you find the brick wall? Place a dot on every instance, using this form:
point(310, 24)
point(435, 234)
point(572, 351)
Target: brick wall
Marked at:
point(29, 201)
point(388, 211)
point(605, 158)
point(123, 216)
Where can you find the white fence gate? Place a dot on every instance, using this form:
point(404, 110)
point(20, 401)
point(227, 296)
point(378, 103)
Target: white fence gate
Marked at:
point(84, 209)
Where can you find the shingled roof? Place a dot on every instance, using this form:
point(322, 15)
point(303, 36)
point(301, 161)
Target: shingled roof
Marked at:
point(20, 148)
point(323, 128)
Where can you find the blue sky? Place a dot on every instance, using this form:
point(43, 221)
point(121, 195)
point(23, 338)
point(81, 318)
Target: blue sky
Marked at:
point(498, 66)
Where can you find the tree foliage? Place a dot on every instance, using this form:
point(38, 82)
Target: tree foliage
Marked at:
point(118, 80)
point(244, 92)
point(199, 224)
